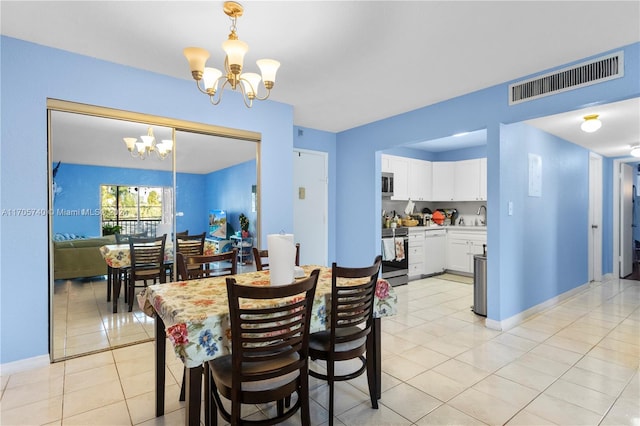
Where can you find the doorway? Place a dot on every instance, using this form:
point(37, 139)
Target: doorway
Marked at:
point(310, 205)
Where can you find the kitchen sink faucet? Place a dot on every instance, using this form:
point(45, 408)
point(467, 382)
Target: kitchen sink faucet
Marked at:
point(482, 221)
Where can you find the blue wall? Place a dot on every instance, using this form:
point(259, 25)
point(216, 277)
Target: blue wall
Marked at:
point(546, 235)
point(230, 190)
point(52, 73)
point(81, 190)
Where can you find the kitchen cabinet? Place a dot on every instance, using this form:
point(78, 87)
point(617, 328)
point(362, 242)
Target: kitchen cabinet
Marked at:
point(416, 253)
point(434, 251)
point(461, 247)
point(470, 180)
point(443, 186)
point(483, 179)
point(399, 166)
point(419, 187)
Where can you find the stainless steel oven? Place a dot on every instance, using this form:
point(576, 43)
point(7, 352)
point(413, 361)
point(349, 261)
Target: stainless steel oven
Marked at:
point(395, 255)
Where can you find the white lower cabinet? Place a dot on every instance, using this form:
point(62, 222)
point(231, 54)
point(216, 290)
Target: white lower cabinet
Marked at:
point(461, 247)
point(416, 253)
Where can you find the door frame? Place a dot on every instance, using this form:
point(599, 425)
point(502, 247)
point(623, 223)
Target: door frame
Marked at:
point(324, 227)
point(595, 220)
point(616, 212)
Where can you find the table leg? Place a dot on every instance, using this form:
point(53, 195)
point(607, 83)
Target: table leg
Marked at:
point(161, 343)
point(377, 343)
point(115, 288)
point(194, 395)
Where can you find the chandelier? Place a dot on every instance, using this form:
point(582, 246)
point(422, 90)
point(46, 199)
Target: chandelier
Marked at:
point(233, 76)
point(148, 145)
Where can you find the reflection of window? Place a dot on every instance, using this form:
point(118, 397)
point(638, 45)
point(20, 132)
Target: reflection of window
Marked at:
point(131, 209)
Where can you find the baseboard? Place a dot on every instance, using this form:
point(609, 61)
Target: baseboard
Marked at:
point(520, 317)
point(24, 365)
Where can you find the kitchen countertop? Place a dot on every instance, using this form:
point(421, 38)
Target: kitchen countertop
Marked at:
point(448, 227)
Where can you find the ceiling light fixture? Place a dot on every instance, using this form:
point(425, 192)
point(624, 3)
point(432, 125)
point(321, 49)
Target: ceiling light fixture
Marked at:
point(591, 123)
point(635, 151)
point(148, 145)
point(233, 76)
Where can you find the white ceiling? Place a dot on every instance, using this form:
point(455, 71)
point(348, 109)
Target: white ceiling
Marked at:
point(345, 64)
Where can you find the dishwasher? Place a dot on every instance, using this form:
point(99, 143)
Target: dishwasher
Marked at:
point(435, 252)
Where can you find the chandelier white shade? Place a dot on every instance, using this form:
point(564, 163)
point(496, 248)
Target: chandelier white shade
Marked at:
point(591, 123)
point(635, 151)
point(212, 81)
point(147, 144)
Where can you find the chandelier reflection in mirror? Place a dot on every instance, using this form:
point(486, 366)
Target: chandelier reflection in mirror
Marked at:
point(208, 79)
point(143, 149)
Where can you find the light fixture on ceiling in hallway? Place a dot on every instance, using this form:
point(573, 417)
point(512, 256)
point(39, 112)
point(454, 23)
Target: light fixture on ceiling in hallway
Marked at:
point(235, 50)
point(591, 123)
point(148, 145)
point(635, 151)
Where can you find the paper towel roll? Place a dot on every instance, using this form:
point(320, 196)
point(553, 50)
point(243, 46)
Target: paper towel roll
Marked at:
point(282, 258)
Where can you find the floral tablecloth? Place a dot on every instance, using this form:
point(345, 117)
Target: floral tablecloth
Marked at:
point(196, 312)
point(118, 255)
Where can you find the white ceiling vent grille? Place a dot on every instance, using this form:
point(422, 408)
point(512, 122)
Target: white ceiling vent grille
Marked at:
point(580, 75)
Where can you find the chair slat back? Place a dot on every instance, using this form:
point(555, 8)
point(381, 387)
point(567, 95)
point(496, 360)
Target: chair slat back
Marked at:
point(261, 257)
point(148, 252)
point(270, 323)
point(214, 265)
point(191, 245)
point(352, 305)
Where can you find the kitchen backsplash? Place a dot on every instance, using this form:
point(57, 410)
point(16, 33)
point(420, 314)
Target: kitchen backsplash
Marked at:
point(467, 210)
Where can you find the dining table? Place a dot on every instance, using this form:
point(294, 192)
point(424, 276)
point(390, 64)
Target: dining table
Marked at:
point(194, 315)
point(118, 257)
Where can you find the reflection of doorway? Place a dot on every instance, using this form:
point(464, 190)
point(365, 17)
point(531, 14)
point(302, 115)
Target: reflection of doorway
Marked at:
point(310, 205)
point(626, 220)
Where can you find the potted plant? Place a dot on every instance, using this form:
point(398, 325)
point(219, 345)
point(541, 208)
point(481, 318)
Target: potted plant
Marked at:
point(244, 225)
point(111, 229)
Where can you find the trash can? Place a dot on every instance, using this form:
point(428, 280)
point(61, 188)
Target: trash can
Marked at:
point(480, 284)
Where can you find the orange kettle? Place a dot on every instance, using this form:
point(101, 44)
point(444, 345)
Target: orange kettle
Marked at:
point(438, 217)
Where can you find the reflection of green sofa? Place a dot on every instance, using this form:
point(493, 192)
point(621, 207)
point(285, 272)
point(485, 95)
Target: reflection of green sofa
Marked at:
point(80, 258)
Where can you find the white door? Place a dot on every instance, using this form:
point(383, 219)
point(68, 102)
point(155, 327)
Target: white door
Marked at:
point(595, 217)
point(310, 206)
point(626, 220)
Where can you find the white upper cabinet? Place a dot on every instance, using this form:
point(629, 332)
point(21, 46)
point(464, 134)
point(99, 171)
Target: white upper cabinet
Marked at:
point(483, 179)
point(443, 181)
point(467, 181)
point(419, 180)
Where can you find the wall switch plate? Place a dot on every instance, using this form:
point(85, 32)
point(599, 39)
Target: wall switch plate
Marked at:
point(301, 192)
point(510, 208)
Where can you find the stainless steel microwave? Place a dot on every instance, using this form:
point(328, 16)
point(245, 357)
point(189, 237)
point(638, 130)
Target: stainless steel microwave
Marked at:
point(387, 184)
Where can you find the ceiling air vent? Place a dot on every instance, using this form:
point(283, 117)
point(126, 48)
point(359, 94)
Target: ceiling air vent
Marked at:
point(580, 75)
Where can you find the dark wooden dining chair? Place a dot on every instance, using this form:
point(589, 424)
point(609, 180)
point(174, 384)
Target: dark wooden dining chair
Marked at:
point(124, 272)
point(261, 258)
point(269, 357)
point(182, 234)
point(147, 263)
point(207, 266)
point(191, 245)
point(349, 334)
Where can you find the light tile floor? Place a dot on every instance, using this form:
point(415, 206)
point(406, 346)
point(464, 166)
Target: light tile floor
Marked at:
point(576, 363)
